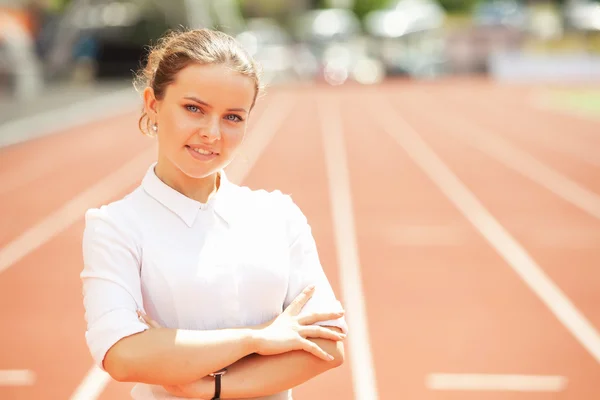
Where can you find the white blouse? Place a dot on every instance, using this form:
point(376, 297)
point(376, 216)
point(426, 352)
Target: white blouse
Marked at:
point(236, 261)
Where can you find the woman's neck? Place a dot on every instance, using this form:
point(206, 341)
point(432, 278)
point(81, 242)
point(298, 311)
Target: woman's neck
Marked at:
point(197, 189)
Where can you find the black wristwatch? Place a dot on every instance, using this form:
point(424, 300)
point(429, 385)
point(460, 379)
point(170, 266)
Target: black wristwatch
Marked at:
point(217, 375)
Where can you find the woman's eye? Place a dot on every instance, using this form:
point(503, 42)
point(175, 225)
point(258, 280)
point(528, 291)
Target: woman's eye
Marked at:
point(234, 118)
point(192, 108)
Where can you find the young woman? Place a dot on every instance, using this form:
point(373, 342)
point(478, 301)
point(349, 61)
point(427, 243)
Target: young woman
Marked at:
point(193, 286)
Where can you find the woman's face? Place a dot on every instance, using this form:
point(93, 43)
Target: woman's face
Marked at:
point(202, 118)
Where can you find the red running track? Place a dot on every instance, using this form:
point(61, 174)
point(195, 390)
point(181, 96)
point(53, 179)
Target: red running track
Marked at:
point(438, 297)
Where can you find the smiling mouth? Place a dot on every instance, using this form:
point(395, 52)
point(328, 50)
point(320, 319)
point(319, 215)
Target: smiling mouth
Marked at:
point(202, 151)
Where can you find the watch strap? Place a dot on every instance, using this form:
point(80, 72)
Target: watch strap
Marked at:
point(217, 375)
point(217, 387)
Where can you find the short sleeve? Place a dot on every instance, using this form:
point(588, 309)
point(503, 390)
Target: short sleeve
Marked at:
point(110, 283)
point(306, 268)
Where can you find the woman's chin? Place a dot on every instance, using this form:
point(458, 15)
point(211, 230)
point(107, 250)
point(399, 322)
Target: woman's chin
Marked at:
point(202, 170)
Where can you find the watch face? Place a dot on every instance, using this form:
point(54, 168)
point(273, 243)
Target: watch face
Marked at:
point(221, 372)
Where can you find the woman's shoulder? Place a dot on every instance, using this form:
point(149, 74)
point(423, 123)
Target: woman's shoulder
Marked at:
point(120, 214)
point(272, 206)
point(272, 201)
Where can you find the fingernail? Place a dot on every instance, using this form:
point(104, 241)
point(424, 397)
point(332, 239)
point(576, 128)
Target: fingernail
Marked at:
point(330, 357)
point(311, 287)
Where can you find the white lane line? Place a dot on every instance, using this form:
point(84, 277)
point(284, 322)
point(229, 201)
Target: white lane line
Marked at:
point(453, 235)
point(522, 162)
point(74, 209)
point(496, 383)
point(536, 133)
point(16, 377)
point(97, 107)
point(468, 204)
point(262, 133)
point(92, 385)
point(363, 370)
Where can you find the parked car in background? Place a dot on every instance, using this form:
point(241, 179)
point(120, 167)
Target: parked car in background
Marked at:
point(408, 37)
point(109, 34)
point(501, 13)
point(335, 39)
point(497, 26)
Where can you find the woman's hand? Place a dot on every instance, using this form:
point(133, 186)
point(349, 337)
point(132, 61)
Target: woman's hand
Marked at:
point(289, 332)
point(147, 320)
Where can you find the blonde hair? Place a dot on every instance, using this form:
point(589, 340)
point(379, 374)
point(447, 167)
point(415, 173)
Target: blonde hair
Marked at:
point(178, 49)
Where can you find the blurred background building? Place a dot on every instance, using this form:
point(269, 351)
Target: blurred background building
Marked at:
point(82, 42)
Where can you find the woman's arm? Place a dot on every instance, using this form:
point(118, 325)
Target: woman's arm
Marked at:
point(257, 376)
point(173, 356)
point(246, 378)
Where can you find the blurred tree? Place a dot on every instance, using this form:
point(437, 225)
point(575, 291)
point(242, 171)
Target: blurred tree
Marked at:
point(458, 6)
point(319, 4)
point(263, 8)
point(58, 5)
point(283, 11)
point(362, 7)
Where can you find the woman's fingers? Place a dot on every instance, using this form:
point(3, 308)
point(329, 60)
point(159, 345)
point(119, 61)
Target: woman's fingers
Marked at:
point(321, 332)
point(296, 305)
point(152, 322)
point(149, 321)
point(319, 317)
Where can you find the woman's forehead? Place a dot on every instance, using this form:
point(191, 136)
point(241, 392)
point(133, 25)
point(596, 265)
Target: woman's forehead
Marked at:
point(213, 80)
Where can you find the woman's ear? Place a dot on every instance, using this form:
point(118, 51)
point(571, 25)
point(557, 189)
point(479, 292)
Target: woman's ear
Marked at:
point(150, 104)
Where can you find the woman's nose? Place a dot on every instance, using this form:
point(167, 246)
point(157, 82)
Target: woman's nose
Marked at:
point(212, 130)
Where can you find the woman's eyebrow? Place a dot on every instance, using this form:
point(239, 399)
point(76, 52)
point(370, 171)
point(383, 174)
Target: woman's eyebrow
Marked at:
point(197, 100)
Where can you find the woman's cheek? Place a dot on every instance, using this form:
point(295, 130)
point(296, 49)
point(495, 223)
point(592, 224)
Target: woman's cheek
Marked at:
point(186, 126)
point(233, 135)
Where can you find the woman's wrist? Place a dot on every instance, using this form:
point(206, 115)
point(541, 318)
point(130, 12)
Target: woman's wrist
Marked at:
point(205, 388)
point(251, 339)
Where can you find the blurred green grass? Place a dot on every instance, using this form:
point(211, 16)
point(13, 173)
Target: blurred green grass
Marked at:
point(568, 43)
point(586, 101)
